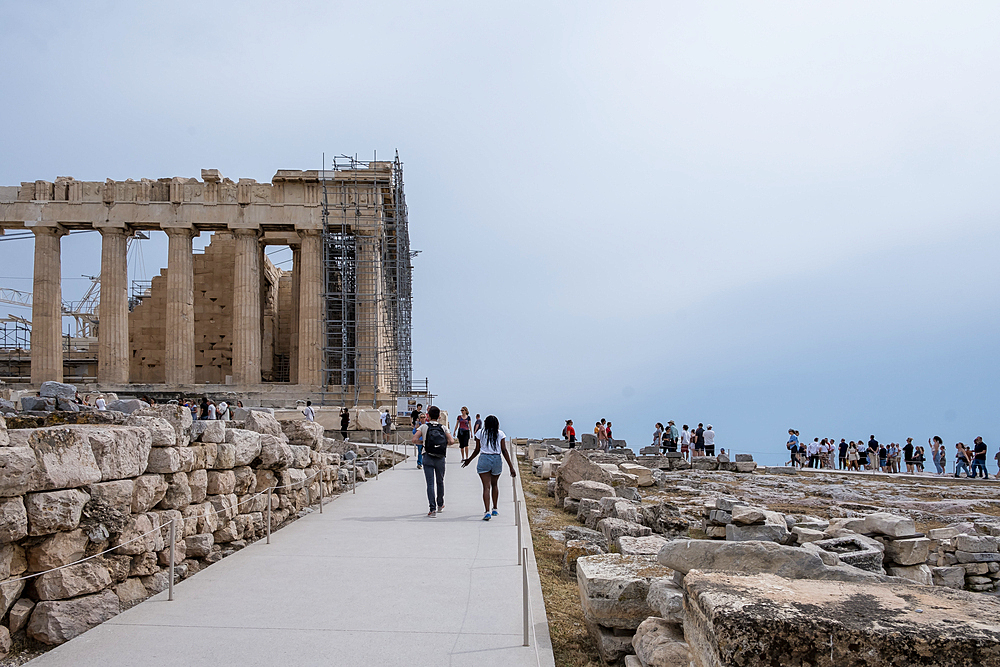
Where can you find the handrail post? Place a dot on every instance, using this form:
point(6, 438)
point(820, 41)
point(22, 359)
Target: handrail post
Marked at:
point(354, 475)
point(517, 520)
point(173, 539)
point(378, 459)
point(524, 580)
point(268, 515)
point(320, 492)
point(309, 495)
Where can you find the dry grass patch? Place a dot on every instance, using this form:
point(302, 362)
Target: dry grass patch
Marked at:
point(572, 645)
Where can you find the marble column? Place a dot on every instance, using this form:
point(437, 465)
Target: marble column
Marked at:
point(293, 334)
point(179, 354)
point(310, 350)
point(246, 308)
point(112, 332)
point(46, 307)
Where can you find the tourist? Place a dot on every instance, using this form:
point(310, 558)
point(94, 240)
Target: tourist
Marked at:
point(386, 422)
point(894, 455)
point(709, 438)
point(463, 429)
point(801, 455)
point(239, 404)
point(601, 433)
point(699, 440)
point(308, 412)
point(212, 412)
point(223, 412)
point(435, 441)
point(938, 454)
point(658, 440)
point(345, 421)
point(101, 404)
point(607, 434)
point(908, 455)
point(415, 415)
point(979, 458)
point(671, 435)
point(479, 424)
point(203, 409)
point(852, 456)
point(996, 457)
point(685, 442)
point(792, 446)
point(962, 460)
point(419, 441)
point(568, 432)
point(919, 459)
point(842, 454)
point(883, 458)
point(492, 443)
point(812, 452)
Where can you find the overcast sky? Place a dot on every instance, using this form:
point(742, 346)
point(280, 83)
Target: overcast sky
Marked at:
point(759, 215)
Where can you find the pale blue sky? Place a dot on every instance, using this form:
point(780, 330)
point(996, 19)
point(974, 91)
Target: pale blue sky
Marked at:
point(759, 215)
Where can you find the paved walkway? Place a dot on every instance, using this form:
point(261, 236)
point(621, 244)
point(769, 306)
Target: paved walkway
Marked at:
point(371, 581)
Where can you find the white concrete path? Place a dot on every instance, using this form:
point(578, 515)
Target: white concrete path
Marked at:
point(371, 581)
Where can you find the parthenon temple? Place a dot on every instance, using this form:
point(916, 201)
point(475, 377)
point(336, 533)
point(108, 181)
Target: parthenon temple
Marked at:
point(337, 323)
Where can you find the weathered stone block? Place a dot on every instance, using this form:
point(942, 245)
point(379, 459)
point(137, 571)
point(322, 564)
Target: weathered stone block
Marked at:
point(970, 557)
point(976, 543)
point(262, 422)
point(64, 459)
point(60, 549)
point(164, 460)
point(13, 520)
point(614, 588)
point(889, 524)
point(199, 546)
point(127, 406)
point(73, 581)
point(19, 614)
point(590, 490)
point(57, 622)
point(52, 389)
point(918, 574)
point(576, 467)
point(177, 416)
point(148, 490)
point(909, 551)
point(648, 546)
point(17, 470)
point(120, 451)
point(54, 511)
point(208, 430)
point(804, 535)
point(131, 591)
point(178, 494)
point(660, 643)
point(666, 598)
point(763, 533)
point(160, 430)
point(274, 454)
point(747, 516)
point(198, 482)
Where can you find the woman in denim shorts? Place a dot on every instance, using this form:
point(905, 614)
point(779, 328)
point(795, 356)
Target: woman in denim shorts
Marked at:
point(491, 444)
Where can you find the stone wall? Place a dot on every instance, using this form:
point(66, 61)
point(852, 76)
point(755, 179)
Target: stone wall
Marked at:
point(67, 492)
point(213, 319)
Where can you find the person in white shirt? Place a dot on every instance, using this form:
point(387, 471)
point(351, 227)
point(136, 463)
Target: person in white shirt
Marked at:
point(309, 413)
point(211, 410)
point(492, 442)
point(685, 442)
point(709, 436)
point(223, 412)
point(101, 403)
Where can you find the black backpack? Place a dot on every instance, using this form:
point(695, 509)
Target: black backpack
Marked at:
point(435, 441)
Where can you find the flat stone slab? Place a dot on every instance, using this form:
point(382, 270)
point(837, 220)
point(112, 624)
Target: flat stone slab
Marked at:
point(613, 588)
point(785, 622)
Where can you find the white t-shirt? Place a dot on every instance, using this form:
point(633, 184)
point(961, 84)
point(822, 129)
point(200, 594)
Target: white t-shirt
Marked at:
point(101, 405)
point(211, 411)
point(489, 448)
point(685, 437)
point(309, 413)
point(709, 436)
point(223, 410)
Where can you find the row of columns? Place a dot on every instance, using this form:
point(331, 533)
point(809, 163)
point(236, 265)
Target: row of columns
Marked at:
point(113, 342)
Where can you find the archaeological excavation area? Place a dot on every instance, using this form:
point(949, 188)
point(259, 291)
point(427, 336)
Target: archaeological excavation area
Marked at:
point(714, 563)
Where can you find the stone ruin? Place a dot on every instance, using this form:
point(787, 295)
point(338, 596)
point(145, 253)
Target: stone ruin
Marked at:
point(757, 586)
point(73, 490)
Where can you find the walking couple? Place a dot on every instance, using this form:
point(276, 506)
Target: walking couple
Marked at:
point(491, 444)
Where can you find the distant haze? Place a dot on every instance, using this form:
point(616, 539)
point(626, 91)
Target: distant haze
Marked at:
point(755, 215)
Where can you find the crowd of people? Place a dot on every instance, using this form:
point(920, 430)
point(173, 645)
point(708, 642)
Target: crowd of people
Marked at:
point(888, 458)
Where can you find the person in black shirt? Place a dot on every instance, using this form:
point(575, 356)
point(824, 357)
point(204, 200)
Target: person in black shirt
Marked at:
point(843, 454)
point(979, 457)
point(699, 440)
point(415, 416)
point(908, 455)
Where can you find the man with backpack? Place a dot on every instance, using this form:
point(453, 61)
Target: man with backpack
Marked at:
point(436, 439)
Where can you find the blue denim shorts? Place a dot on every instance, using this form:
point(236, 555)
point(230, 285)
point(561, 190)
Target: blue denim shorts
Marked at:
point(491, 463)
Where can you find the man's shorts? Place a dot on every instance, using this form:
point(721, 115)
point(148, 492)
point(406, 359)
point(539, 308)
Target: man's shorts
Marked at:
point(491, 463)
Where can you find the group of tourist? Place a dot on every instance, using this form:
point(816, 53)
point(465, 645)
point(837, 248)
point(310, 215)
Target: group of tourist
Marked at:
point(888, 458)
point(602, 433)
point(432, 439)
point(207, 408)
point(692, 442)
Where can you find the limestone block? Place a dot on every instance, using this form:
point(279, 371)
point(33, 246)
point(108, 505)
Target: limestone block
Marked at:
point(37, 404)
point(612, 643)
point(4, 438)
point(615, 528)
point(804, 535)
point(267, 478)
point(247, 448)
point(644, 476)
point(178, 416)
point(163, 557)
point(161, 432)
point(144, 564)
point(60, 549)
point(943, 533)
point(704, 463)
point(164, 460)
point(952, 577)
point(198, 481)
point(118, 567)
point(548, 469)
point(745, 466)
point(274, 454)
point(54, 511)
point(301, 432)
point(763, 533)
point(747, 516)
point(614, 588)
point(262, 422)
point(226, 533)
point(221, 481)
point(962, 556)
point(127, 542)
point(591, 490)
point(52, 389)
point(639, 546)
point(187, 458)
point(666, 598)
point(127, 406)
point(19, 614)
point(178, 493)
point(207, 456)
point(226, 454)
point(729, 504)
point(73, 581)
point(57, 622)
point(919, 574)
point(17, 470)
point(156, 582)
point(10, 591)
point(131, 591)
point(208, 430)
point(660, 643)
point(148, 491)
point(13, 561)
point(909, 551)
point(224, 506)
point(889, 524)
point(574, 468)
point(292, 479)
point(64, 459)
point(199, 546)
point(13, 519)
point(578, 549)
point(245, 479)
point(301, 454)
point(976, 543)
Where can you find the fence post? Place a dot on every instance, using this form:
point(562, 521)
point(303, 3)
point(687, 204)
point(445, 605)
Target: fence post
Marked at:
point(524, 580)
point(320, 492)
point(517, 520)
point(354, 476)
point(173, 540)
point(268, 515)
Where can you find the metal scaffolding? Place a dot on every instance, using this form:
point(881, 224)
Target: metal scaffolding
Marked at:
point(366, 254)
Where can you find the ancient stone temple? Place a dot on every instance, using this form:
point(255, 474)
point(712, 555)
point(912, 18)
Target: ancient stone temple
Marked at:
point(338, 322)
